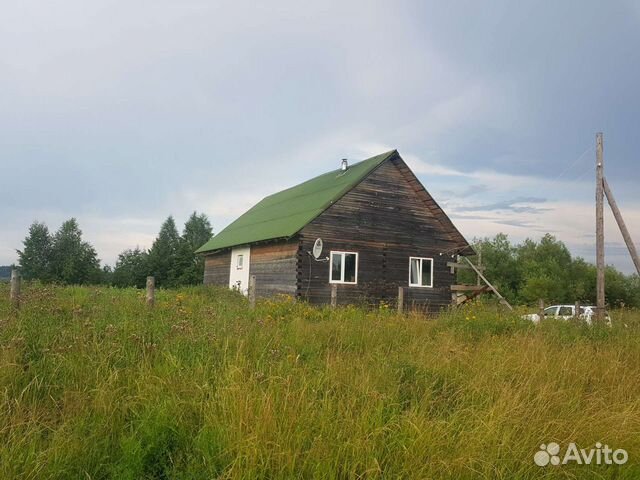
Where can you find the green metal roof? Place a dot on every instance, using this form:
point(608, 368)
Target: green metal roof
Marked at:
point(285, 213)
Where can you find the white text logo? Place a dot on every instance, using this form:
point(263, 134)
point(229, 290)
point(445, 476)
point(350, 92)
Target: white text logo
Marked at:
point(549, 454)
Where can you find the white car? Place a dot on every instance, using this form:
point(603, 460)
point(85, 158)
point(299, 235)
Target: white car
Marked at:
point(565, 312)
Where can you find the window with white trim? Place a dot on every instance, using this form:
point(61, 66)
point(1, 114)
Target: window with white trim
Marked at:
point(240, 262)
point(343, 267)
point(420, 272)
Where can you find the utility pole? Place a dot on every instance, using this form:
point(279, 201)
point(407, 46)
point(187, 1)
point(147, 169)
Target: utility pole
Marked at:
point(599, 228)
point(623, 227)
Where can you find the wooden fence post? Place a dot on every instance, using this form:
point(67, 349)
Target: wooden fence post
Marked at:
point(334, 295)
point(400, 299)
point(15, 288)
point(252, 292)
point(151, 291)
point(541, 309)
point(576, 311)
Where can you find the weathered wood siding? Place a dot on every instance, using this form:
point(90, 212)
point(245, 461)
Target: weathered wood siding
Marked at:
point(274, 264)
point(387, 218)
point(216, 268)
point(275, 267)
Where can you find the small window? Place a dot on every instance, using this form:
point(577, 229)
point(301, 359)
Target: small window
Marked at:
point(566, 311)
point(239, 262)
point(344, 267)
point(420, 272)
point(551, 311)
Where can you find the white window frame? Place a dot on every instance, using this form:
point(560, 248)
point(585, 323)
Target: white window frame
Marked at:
point(416, 285)
point(342, 263)
point(240, 262)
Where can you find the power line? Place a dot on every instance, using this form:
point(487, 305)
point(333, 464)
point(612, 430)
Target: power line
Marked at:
point(573, 164)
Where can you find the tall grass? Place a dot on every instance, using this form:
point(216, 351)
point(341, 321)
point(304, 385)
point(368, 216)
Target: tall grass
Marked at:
point(94, 385)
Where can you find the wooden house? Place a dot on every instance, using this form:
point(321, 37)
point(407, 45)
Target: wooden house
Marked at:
point(367, 228)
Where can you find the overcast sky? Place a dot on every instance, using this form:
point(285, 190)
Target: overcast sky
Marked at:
point(121, 113)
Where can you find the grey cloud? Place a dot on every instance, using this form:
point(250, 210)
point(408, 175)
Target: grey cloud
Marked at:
point(473, 190)
point(469, 191)
point(519, 223)
point(114, 109)
point(455, 215)
point(514, 205)
point(499, 221)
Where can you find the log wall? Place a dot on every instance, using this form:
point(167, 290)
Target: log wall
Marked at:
point(387, 218)
point(275, 268)
point(274, 264)
point(216, 268)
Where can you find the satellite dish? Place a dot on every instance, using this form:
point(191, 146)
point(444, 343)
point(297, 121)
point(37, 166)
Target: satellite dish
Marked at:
point(317, 248)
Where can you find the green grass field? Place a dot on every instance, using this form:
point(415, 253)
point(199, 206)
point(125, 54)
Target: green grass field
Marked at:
point(93, 385)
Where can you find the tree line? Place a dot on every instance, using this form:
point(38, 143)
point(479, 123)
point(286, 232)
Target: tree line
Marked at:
point(523, 272)
point(545, 269)
point(64, 257)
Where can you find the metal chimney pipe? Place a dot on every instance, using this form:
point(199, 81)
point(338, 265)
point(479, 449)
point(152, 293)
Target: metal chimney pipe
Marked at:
point(345, 165)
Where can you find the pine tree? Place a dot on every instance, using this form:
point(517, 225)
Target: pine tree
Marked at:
point(35, 258)
point(197, 230)
point(73, 261)
point(163, 254)
point(189, 267)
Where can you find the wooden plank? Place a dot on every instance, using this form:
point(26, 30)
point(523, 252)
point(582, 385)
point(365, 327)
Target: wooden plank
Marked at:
point(470, 296)
point(493, 289)
point(467, 288)
point(600, 266)
point(463, 266)
point(621, 225)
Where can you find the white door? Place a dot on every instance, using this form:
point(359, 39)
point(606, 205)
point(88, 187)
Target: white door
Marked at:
point(239, 269)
